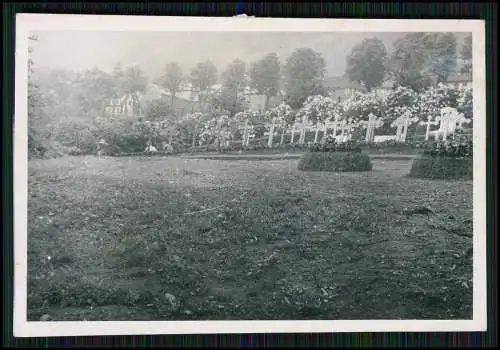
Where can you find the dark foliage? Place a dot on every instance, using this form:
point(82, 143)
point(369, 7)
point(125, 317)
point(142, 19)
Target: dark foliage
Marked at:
point(332, 146)
point(335, 161)
point(453, 149)
point(442, 168)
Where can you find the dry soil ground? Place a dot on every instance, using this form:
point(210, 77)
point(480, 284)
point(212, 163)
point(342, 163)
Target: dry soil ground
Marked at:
point(186, 239)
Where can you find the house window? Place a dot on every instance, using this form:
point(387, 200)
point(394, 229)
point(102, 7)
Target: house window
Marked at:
point(117, 101)
point(117, 110)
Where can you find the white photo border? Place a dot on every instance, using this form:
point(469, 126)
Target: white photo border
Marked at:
point(26, 23)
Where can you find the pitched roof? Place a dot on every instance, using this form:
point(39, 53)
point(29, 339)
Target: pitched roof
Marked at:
point(456, 78)
point(335, 83)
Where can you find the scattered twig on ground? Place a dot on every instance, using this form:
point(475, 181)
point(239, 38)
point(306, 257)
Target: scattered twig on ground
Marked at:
point(372, 243)
point(461, 233)
point(418, 210)
point(205, 210)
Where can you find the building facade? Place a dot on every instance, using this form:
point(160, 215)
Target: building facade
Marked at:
point(340, 88)
point(188, 99)
point(459, 81)
point(128, 105)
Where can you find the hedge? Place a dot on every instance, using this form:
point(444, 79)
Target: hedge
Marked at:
point(335, 161)
point(442, 168)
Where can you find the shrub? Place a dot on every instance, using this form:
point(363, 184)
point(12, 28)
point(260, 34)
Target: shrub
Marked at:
point(335, 161)
point(332, 146)
point(442, 168)
point(126, 143)
point(453, 149)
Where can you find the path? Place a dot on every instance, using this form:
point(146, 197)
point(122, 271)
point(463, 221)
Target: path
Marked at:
point(284, 156)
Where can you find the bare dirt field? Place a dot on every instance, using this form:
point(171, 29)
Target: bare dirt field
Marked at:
point(166, 238)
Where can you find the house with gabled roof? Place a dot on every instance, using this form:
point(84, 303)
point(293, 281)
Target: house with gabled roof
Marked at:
point(459, 80)
point(340, 88)
point(127, 105)
point(187, 100)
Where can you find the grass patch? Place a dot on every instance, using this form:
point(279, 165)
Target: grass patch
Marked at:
point(442, 168)
point(110, 239)
point(335, 161)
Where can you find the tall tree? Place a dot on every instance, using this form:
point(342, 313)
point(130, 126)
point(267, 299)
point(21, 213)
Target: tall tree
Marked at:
point(265, 76)
point(408, 62)
point(202, 78)
point(442, 54)
point(233, 86)
point(367, 63)
point(118, 76)
point(135, 83)
point(422, 59)
point(466, 54)
point(234, 76)
point(94, 88)
point(304, 72)
point(36, 146)
point(172, 79)
point(134, 80)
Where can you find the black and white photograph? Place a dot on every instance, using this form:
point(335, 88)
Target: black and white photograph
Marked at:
point(248, 175)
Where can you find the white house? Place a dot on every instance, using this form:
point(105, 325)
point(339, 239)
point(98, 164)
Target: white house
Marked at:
point(127, 105)
point(459, 81)
point(340, 88)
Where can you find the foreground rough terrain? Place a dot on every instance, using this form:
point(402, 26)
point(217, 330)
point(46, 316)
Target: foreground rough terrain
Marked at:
point(188, 239)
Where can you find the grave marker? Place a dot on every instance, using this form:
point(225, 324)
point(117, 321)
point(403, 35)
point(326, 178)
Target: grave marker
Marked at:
point(371, 124)
point(428, 124)
point(402, 123)
point(448, 121)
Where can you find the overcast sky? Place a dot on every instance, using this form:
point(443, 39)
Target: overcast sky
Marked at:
point(79, 50)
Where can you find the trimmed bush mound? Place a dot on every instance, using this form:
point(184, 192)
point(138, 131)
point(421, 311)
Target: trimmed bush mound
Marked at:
point(335, 161)
point(445, 161)
point(442, 168)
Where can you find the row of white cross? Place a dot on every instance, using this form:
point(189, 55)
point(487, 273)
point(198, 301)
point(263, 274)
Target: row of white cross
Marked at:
point(449, 120)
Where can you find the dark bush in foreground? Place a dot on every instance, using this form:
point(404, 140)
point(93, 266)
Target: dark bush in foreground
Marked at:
point(454, 149)
point(335, 161)
point(442, 168)
point(332, 146)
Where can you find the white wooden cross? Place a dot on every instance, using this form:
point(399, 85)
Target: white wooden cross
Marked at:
point(332, 124)
point(293, 130)
point(302, 127)
point(347, 128)
point(402, 124)
point(455, 119)
point(272, 133)
point(342, 126)
point(244, 139)
point(428, 124)
point(250, 134)
point(448, 123)
point(371, 124)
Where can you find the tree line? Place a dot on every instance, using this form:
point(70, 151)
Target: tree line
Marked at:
point(65, 106)
point(418, 60)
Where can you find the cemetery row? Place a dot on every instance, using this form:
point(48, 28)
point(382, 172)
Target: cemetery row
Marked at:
point(438, 110)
